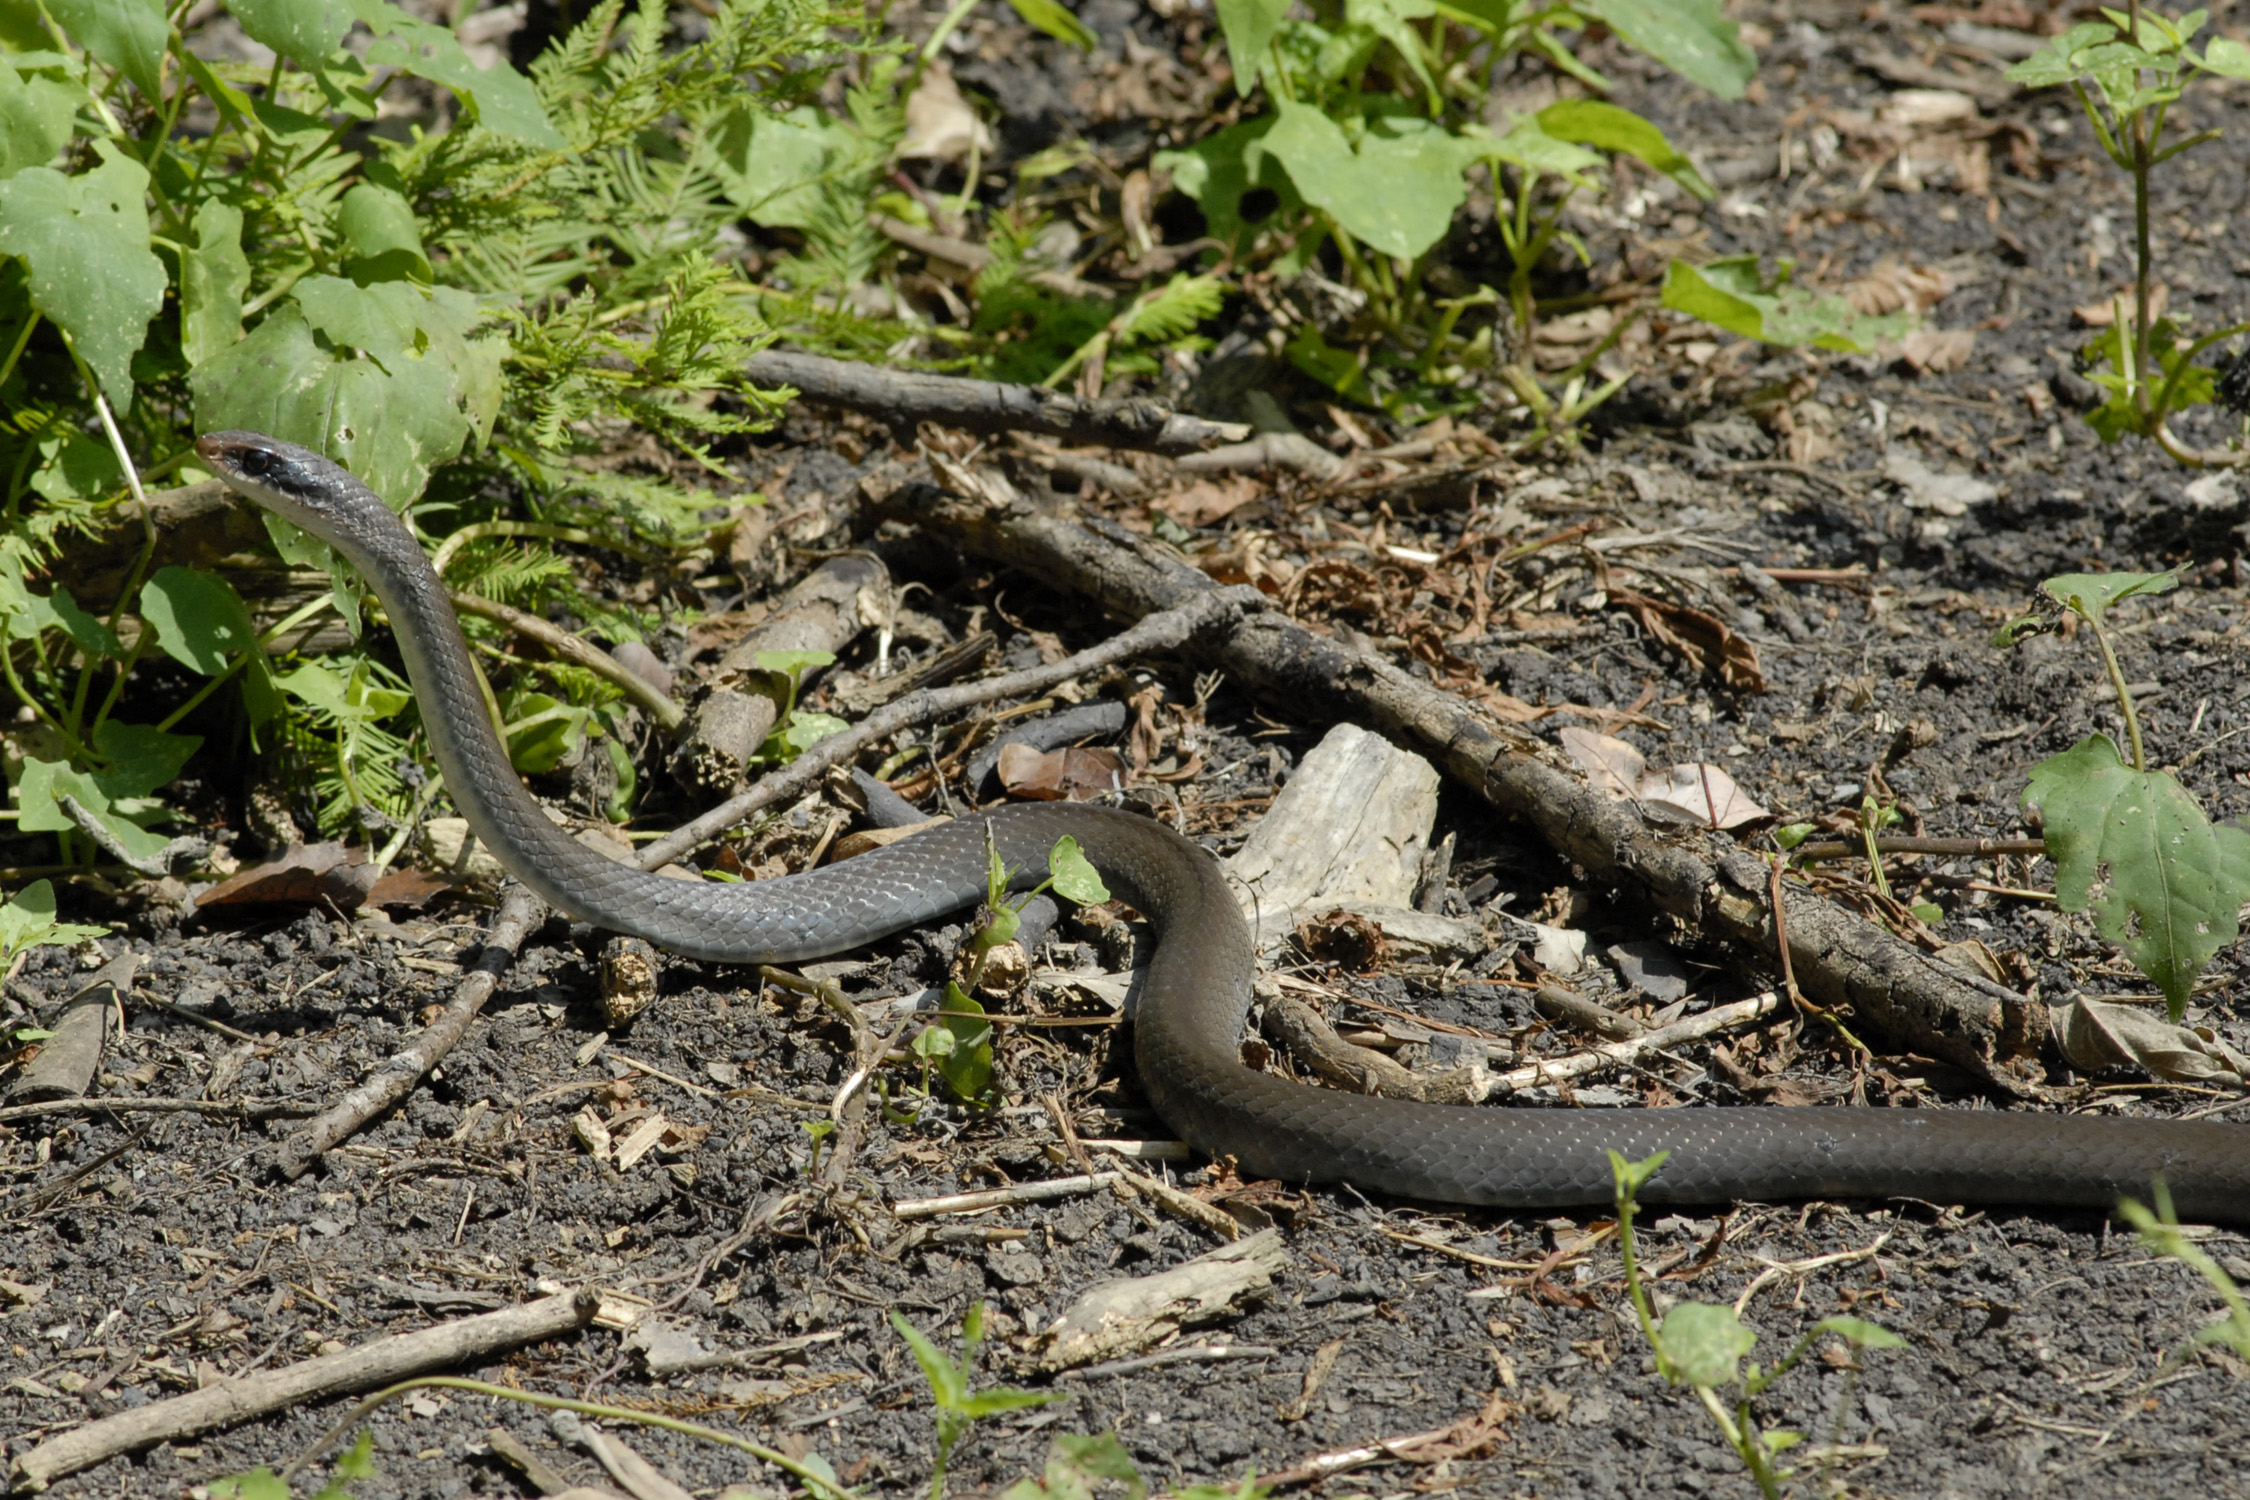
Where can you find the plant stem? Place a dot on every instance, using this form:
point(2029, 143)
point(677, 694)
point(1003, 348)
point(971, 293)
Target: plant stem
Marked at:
point(2124, 698)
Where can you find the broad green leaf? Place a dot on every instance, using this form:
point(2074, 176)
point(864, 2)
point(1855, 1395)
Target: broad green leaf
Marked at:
point(1732, 294)
point(1074, 874)
point(2133, 847)
point(128, 35)
point(1528, 144)
point(35, 116)
point(75, 466)
point(2227, 56)
point(502, 100)
point(801, 733)
point(85, 240)
point(200, 621)
point(1250, 26)
point(1396, 192)
point(2091, 594)
point(214, 278)
point(384, 237)
point(1691, 37)
point(259, 1484)
point(544, 732)
point(1220, 170)
point(967, 1067)
point(1703, 1343)
point(403, 396)
point(341, 699)
point(28, 921)
point(1861, 1332)
point(792, 664)
point(1590, 122)
point(86, 631)
point(42, 786)
point(1057, 22)
point(774, 165)
point(307, 30)
point(142, 757)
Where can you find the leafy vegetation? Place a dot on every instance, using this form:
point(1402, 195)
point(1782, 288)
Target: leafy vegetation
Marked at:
point(355, 1462)
point(1702, 1345)
point(2159, 1230)
point(1371, 140)
point(959, 1404)
point(2129, 843)
point(2127, 70)
point(959, 1043)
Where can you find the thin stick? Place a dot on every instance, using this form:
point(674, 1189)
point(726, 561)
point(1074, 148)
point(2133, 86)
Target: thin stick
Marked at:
point(521, 914)
point(1158, 632)
point(95, 1104)
point(228, 1403)
point(1594, 1059)
point(1959, 848)
point(1022, 1192)
point(579, 651)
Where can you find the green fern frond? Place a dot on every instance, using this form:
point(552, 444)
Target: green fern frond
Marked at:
point(1184, 305)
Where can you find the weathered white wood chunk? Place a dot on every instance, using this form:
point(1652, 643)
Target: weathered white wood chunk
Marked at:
point(1348, 830)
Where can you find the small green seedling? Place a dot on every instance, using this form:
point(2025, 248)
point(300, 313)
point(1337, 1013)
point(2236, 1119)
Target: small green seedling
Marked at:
point(2131, 844)
point(357, 1462)
point(794, 733)
point(959, 1045)
point(2159, 1230)
point(29, 921)
point(959, 1405)
point(1078, 1466)
point(2128, 70)
point(1702, 1344)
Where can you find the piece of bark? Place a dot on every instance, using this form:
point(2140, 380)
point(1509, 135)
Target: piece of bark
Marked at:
point(1349, 828)
point(1699, 879)
point(68, 1060)
point(1561, 1004)
point(825, 611)
point(1437, 871)
point(1362, 1070)
point(1114, 1318)
point(1268, 450)
point(231, 1401)
point(906, 397)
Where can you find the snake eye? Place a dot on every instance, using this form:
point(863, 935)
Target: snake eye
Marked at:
point(255, 462)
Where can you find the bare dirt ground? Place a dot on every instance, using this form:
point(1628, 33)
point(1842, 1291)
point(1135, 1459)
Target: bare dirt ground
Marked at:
point(143, 1254)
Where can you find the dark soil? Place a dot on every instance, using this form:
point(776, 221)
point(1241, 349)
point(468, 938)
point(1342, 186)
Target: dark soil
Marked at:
point(155, 1250)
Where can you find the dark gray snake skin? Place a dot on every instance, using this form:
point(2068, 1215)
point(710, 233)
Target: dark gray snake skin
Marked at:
point(1197, 991)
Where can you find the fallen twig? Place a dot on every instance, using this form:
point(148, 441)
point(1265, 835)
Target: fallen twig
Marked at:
point(905, 397)
point(521, 914)
point(230, 1402)
point(1159, 632)
point(1609, 1054)
point(127, 1104)
point(1022, 1192)
point(579, 652)
point(1704, 881)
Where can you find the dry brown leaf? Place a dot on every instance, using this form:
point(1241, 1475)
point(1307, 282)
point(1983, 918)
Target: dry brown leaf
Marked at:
point(1892, 287)
point(1611, 765)
point(1346, 939)
point(1703, 640)
point(1209, 500)
point(1076, 774)
point(1698, 793)
point(306, 875)
point(2103, 312)
point(1934, 351)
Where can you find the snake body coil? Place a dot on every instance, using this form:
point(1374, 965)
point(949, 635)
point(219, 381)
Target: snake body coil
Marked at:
point(1197, 989)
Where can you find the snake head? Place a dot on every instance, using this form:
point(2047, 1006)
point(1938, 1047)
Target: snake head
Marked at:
point(305, 488)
